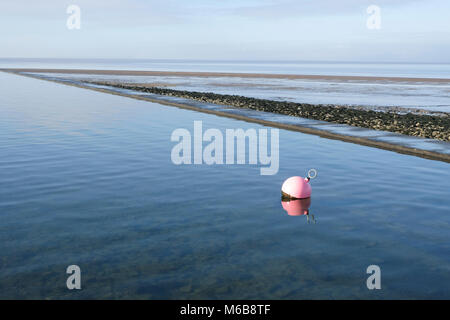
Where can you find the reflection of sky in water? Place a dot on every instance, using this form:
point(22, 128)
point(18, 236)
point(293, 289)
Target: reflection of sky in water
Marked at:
point(432, 96)
point(112, 202)
point(342, 129)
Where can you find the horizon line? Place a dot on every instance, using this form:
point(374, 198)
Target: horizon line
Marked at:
point(226, 60)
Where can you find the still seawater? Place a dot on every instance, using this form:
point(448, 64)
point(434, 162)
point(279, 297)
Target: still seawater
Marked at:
point(86, 179)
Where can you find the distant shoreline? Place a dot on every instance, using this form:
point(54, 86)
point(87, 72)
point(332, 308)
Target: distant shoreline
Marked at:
point(226, 74)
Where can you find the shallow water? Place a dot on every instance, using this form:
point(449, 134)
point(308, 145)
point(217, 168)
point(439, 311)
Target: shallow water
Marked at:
point(425, 95)
point(417, 70)
point(87, 179)
point(411, 142)
point(432, 96)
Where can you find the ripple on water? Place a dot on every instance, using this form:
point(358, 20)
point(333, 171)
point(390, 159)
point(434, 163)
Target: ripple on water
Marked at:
point(90, 182)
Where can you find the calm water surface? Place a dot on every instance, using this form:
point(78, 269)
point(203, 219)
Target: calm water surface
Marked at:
point(86, 178)
point(418, 70)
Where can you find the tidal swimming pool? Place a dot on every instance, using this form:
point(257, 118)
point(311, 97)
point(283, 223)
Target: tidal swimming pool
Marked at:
point(86, 178)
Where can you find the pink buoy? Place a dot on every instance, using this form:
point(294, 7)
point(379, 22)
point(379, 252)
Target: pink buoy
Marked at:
point(296, 188)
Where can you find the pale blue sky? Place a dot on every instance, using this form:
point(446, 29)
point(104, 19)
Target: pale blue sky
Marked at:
point(331, 30)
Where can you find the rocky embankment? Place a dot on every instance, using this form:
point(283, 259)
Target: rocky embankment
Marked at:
point(426, 126)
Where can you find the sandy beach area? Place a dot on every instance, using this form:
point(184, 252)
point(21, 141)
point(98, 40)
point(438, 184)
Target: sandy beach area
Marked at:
point(226, 74)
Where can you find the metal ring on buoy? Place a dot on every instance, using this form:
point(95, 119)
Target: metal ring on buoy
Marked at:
point(312, 173)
